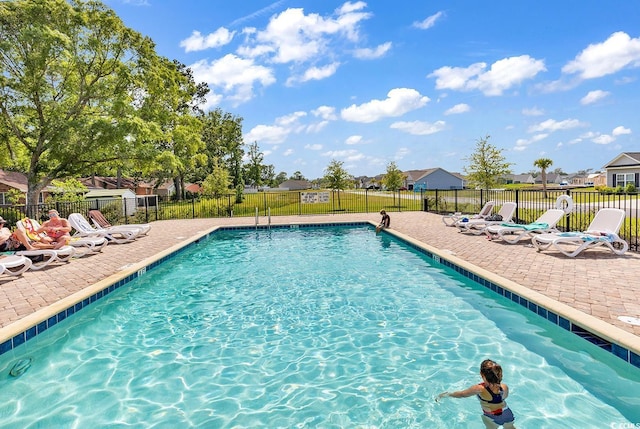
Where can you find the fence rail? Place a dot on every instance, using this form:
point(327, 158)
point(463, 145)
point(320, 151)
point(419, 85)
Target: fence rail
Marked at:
point(530, 205)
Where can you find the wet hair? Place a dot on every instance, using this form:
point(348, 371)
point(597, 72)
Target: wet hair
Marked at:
point(492, 371)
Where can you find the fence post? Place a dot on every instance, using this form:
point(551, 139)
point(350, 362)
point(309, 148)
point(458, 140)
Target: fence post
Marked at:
point(517, 201)
point(193, 208)
point(455, 200)
point(366, 200)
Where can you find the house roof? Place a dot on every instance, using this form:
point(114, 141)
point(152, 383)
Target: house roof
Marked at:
point(14, 179)
point(628, 158)
point(108, 181)
point(292, 182)
point(433, 170)
point(415, 174)
point(104, 193)
point(193, 187)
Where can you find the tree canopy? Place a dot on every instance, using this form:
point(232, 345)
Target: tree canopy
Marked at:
point(543, 164)
point(394, 178)
point(486, 165)
point(68, 74)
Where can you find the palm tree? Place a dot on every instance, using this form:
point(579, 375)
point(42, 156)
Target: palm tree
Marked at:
point(543, 164)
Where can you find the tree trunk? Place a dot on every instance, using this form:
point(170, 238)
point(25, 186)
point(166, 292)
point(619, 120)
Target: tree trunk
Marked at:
point(176, 185)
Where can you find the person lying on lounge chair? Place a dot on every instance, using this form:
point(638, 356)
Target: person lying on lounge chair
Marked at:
point(57, 229)
point(17, 240)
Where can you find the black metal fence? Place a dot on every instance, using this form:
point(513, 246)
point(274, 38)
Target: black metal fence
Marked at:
point(530, 205)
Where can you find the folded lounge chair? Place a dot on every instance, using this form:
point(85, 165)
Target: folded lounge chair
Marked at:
point(602, 231)
point(101, 222)
point(84, 229)
point(477, 226)
point(513, 232)
point(14, 265)
point(450, 220)
point(82, 245)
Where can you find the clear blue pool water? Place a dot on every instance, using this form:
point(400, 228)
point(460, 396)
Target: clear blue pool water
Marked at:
point(301, 328)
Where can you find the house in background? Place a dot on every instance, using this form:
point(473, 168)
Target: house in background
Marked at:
point(193, 188)
point(410, 177)
point(294, 185)
point(518, 178)
point(622, 170)
point(438, 178)
point(552, 178)
point(125, 198)
point(10, 180)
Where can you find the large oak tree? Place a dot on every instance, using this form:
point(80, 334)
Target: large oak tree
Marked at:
point(70, 76)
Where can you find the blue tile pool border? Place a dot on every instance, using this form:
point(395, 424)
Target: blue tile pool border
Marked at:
point(621, 352)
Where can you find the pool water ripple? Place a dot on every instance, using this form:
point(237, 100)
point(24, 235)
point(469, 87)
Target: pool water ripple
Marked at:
point(306, 328)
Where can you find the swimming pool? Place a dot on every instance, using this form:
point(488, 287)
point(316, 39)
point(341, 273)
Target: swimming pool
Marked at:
point(314, 327)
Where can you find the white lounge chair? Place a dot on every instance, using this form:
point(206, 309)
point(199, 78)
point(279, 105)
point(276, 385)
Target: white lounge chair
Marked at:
point(512, 232)
point(602, 231)
point(14, 265)
point(477, 226)
point(117, 235)
point(82, 245)
point(101, 222)
point(450, 220)
point(41, 258)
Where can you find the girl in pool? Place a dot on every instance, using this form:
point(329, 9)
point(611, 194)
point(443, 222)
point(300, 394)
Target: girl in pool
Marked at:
point(492, 393)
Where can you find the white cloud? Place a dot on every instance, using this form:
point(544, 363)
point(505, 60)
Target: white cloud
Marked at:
point(349, 7)
point(534, 111)
point(428, 22)
point(368, 53)
point(419, 128)
point(315, 73)
point(603, 139)
point(198, 42)
point(618, 131)
point(522, 144)
point(325, 112)
point(458, 108)
point(398, 102)
point(290, 119)
point(235, 77)
point(287, 152)
point(552, 125)
point(347, 155)
point(269, 134)
point(313, 146)
point(295, 37)
point(503, 74)
point(353, 140)
point(601, 59)
point(401, 153)
point(317, 127)
point(593, 96)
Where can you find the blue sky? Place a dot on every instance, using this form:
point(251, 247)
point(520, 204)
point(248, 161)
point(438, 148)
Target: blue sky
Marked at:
point(416, 82)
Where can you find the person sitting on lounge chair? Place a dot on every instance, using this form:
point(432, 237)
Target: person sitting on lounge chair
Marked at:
point(57, 229)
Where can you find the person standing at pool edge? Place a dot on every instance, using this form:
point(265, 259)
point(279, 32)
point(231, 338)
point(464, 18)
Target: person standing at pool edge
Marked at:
point(492, 393)
point(384, 223)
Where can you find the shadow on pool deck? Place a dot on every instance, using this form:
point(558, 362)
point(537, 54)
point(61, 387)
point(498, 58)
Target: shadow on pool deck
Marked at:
point(597, 282)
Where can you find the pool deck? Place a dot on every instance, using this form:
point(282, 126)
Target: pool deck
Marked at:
point(597, 282)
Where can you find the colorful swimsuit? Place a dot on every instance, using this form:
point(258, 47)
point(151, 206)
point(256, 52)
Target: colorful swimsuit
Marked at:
point(501, 415)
